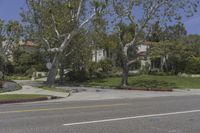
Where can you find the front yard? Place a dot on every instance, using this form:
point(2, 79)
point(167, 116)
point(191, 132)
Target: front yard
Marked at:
point(149, 81)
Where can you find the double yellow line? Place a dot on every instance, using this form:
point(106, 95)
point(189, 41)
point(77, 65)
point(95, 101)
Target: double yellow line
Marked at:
point(63, 108)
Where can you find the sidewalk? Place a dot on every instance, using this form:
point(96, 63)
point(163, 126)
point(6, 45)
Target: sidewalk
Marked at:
point(86, 93)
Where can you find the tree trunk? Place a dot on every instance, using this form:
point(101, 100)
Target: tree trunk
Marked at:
point(53, 71)
point(62, 73)
point(125, 68)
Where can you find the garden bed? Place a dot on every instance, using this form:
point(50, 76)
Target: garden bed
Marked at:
point(144, 89)
point(7, 86)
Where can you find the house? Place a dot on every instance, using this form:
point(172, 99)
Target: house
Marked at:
point(145, 62)
point(98, 55)
point(27, 46)
point(143, 56)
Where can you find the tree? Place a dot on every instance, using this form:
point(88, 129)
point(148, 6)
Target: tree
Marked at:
point(13, 31)
point(174, 53)
point(10, 34)
point(194, 42)
point(156, 33)
point(2, 38)
point(152, 10)
point(57, 22)
point(174, 32)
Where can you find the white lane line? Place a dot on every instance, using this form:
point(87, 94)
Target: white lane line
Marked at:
point(129, 118)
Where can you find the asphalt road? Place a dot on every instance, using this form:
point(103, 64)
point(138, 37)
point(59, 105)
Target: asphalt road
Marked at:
point(152, 115)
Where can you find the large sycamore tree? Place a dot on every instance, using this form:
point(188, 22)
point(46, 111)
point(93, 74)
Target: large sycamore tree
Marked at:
point(141, 14)
point(54, 23)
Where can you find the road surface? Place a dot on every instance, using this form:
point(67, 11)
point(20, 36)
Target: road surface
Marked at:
point(150, 115)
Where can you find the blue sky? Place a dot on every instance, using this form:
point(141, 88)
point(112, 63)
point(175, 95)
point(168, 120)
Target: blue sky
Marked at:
point(10, 9)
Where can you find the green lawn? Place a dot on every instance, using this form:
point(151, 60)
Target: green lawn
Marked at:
point(8, 97)
point(149, 81)
point(15, 77)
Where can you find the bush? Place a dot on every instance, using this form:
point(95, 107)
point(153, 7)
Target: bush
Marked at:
point(93, 68)
point(193, 65)
point(145, 69)
point(6, 86)
point(9, 70)
point(2, 63)
point(30, 72)
point(80, 76)
point(106, 65)
point(1, 84)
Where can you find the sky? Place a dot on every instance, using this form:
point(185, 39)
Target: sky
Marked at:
point(10, 9)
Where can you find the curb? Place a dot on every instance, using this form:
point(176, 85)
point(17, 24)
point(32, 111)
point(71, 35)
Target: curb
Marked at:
point(29, 100)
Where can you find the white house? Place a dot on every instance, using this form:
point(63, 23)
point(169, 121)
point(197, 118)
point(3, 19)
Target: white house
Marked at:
point(143, 54)
point(142, 57)
point(98, 55)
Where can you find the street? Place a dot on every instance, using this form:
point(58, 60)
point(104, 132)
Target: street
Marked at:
point(150, 115)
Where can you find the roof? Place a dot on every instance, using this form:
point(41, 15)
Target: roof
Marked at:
point(27, 43)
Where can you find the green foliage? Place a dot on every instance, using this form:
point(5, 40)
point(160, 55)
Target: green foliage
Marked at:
point(174, 52)
point(177, 52)
point(170, 33)
point(80, 75)
point(145, 68)
point(24, 61)
point(2, 32)
point(193, 65)
point(2, 63)
point(93, 68)
point(30, 72)
point(127, 31)
point(106, 65)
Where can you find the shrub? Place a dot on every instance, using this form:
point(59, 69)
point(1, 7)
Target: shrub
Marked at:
point(93, 68)
point(193, 65)
point(1, 84)
point(145, 69)
point(106, 65)
point(2, 62)
point(80, 75)
point(30, 72)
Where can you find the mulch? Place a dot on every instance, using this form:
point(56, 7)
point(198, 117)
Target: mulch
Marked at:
point(144, 89)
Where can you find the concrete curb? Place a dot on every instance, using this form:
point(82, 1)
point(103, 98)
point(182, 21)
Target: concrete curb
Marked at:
point(29, 100)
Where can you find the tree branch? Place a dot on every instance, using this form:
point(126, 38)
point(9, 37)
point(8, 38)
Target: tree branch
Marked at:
point(79, 10)
point(87, 20)
point(132, 61)
point(47, 42)
point(69, 53)
point(149, 15)
point(55, 28)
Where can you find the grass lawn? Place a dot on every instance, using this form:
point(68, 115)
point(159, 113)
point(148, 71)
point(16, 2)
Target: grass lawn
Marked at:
point(15, 77)
point(149, 81)
point(52, 89)
point(13, 97)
